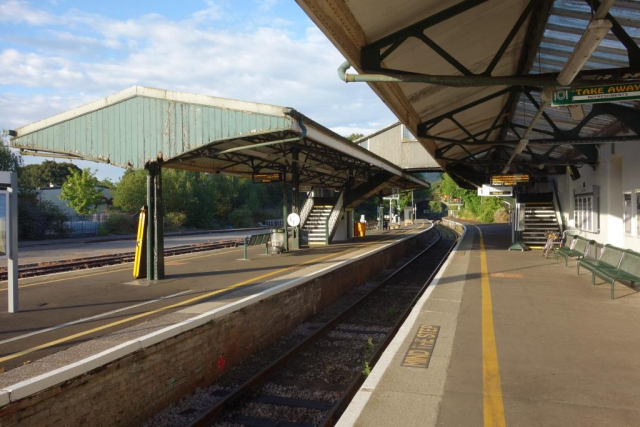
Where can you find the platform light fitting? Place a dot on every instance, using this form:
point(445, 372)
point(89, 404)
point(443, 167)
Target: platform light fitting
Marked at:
point(593, 35)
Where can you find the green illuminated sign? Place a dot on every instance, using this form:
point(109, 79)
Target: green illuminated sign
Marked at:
point(595, 94)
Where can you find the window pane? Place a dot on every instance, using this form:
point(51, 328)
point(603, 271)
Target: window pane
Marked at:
point(406, 135)
point(627, 213)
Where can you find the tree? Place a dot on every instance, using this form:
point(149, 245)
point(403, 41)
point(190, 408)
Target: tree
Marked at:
point(355, 136)
point(48, 172)
point(131, 192)
point(81, 193)
point(9, 161)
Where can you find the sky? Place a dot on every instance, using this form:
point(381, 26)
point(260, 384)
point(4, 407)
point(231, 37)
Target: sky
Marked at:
point(59, 54)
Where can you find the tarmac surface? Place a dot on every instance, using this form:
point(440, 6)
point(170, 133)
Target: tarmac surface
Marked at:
point(522, 341)
point(62, 310)
point(64, 249)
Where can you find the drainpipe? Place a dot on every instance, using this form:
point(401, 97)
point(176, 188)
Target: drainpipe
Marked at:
point(451, 81)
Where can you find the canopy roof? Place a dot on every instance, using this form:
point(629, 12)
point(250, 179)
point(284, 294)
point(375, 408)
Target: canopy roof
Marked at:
point(208, 134)
point(472, 130)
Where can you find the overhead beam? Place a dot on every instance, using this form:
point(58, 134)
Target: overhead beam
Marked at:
point(370, 56)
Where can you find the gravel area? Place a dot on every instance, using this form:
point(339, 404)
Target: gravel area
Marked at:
point(322, 369)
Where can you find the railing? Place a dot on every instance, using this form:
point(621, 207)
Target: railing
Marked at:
point(307, 207)
point(274, 223)
point(332, 220)
point(557, 206)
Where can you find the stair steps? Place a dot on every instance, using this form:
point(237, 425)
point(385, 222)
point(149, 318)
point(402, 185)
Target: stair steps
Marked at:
point(538, 218)
point(316, 224)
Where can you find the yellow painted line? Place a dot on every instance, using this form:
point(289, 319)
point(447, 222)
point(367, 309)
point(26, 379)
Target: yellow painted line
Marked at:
point(179, 304)
point(493, 408)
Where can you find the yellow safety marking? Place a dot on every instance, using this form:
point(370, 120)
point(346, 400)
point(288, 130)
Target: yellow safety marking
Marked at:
point(493, 408)
point(179, 304)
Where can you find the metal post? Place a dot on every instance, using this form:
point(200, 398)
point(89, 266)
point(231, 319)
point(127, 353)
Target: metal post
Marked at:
point(155, 224)
point(158, 212)
point(12, 230)
point(150, 223)
point(284, 212)
point(413, 208)
point(295, 202)
point(381, 213)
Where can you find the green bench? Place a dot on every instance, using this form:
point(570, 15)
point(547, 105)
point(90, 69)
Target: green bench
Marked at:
point(254, 240)
point(628, 269)
point(609, 260)
point(578, 249)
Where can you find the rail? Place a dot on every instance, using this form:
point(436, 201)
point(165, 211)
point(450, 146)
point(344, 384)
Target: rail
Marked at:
point(441, 246)
point(307, 207)
point(59, 266)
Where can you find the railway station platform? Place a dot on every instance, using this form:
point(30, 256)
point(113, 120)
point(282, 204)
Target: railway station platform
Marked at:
point(76, 331)
point(62, 310)
point(508, 338)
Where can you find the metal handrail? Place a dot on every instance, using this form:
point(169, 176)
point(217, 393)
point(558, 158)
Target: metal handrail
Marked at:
point(307, 207)
point(332, 221)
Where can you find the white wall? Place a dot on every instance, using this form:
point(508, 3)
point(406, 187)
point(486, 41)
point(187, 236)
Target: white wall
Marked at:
point(52, 194)
point(617, 171)
point(342, 227)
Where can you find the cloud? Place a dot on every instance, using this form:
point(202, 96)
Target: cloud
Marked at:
point(16, 11)
point(90, 56)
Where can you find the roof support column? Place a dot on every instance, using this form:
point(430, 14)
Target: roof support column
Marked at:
point(295, 195)
point(284, 210)
point(155, 226)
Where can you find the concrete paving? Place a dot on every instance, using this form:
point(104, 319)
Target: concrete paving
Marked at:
point(566, 354)
point(96, 302)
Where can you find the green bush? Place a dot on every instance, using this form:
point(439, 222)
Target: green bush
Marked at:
point(173, 221)
point(241, 218)
point(40, 220)
point(118, 223)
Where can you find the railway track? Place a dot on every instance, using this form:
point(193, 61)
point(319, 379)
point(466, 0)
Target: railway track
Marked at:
point(49, 267)
point(313, 382)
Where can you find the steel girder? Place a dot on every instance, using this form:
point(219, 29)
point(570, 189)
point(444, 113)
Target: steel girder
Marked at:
point(373, 54)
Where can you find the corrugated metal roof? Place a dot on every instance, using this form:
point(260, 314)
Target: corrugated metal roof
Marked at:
point(567, 22)
point(473, 37)
point(193, 132)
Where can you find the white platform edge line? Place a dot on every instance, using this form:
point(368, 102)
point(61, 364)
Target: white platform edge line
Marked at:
point(41, 382)
point(357, 405)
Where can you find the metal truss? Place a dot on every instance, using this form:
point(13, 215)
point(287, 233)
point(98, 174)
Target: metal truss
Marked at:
point(312, 160)
point(373, 55)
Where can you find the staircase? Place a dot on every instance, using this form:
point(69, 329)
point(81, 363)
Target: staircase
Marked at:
point(316, 223)
point(539, 216)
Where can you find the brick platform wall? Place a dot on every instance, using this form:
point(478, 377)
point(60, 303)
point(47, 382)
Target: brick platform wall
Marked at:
point(128, 391)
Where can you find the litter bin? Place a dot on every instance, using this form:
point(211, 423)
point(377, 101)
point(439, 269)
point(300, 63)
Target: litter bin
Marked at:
point(360, 229)
point(277, 240)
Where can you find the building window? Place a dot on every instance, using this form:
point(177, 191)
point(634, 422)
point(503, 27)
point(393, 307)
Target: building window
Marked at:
point(626, 214)
point(585, 213)
point(406, 134)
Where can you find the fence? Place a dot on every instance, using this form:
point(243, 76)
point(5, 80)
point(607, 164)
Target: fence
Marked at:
point(274, 223)
point(90, 225)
